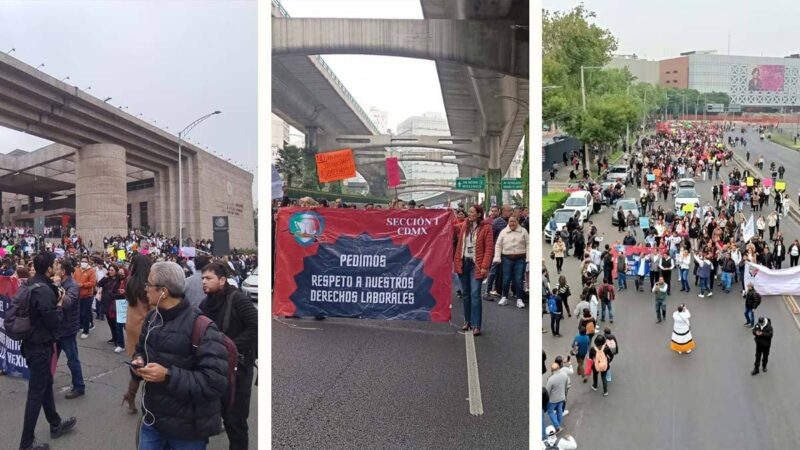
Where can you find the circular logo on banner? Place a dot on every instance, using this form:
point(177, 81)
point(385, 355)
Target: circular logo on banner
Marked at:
point(306, 227)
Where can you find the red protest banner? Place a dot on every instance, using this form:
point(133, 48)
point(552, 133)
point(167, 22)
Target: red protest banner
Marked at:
point(392, 172)
point(387, 265)
point(336, 165)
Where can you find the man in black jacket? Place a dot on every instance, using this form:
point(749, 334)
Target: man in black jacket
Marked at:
point(763, 337)
point(752, 300)
point(237, 318)
point(68, 331)
point(183, 382)
point(46, 316)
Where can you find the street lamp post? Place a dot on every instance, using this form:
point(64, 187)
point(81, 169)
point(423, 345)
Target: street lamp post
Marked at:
point(583, 100)
point(181, 135)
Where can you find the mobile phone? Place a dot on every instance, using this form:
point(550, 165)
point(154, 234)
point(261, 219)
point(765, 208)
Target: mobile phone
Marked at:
point(132, 364)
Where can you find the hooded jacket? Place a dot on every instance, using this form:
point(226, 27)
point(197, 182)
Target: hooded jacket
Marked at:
point(484, 247)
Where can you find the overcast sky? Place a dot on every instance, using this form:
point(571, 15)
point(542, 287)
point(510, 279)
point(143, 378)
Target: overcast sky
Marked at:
point(659, 30)
point(172, 61)
point(403, 87)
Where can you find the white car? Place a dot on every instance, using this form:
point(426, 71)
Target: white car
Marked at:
point(618, 172)
point(583, 202)
point(561, 215)
point(250, 285)
point(686, 183)
point(686, 196)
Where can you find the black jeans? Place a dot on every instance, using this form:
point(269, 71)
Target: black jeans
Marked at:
point(762, 351)
point(555, 323)
point(667, 274)
point(86, 317)
point(559, 264)
point(235, 418)
point(602, 378)
point(40, 391)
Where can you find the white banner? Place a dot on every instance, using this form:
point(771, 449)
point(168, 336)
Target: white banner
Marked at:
point(772, 282)
point(749, 230)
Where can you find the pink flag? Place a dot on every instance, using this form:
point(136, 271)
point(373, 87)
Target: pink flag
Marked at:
point(767, 182)
point(392, 172)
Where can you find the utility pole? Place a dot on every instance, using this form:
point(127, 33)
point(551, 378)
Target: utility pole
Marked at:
point(585, 145)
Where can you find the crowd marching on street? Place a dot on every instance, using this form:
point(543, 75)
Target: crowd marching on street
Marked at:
point(188, 333)
point(490, 251)
point(702, 247)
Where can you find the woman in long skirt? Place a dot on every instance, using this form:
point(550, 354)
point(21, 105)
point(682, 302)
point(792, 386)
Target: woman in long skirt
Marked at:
point(682, 330)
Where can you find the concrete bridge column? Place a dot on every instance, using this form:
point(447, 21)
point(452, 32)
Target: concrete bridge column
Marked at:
point(494, 173)
point(100, 192)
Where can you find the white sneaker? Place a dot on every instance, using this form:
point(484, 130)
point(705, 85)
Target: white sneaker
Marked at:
point(503, 302)
point(710, 294)
point(689, 351)
point(119, 350)
point(701, 295)
point(566, 411)
point(520, 304)
point(84, 336)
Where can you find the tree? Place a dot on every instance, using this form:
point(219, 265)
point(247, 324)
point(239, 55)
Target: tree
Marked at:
point(290, 163)
point(310, 178)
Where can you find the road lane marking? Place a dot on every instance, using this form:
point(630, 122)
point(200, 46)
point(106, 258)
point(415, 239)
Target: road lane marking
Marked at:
point(789, 301)
point(475, 402)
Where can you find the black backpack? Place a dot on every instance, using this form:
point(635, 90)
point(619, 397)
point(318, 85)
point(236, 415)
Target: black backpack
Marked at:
point(17, 323)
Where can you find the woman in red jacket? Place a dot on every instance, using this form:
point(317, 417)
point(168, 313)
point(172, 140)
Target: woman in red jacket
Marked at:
point(473, 258)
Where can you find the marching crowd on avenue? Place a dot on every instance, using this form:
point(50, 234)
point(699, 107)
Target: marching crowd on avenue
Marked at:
point(667, 251)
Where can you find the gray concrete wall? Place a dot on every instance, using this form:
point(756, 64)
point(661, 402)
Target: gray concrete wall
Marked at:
point(225, 190)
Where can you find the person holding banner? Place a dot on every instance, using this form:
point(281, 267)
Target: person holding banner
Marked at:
point(473, 258)
point(794, 253)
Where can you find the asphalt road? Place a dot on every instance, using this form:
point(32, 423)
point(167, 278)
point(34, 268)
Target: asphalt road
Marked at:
point(103, 423)
point(359, 384)
point(704, 400)
point(771, 152)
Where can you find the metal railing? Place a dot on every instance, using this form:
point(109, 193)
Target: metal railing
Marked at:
point(364, 116)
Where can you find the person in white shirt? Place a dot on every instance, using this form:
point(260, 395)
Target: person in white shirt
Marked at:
point(552, 441)
point(684, 261)
point(512, 250)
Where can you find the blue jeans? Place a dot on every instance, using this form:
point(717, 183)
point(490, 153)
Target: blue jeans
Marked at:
point(704, 285)
point(490, 282)
point(727, 280)
point(70, 347)
point(661, 309)
point(603, 306)
point(152, 439)
point(622, 281)
point(513, 270)
point(684, 276)
point(471, 294)
point(120, 335)
point(750, 316)
point(556, 413)
point(86, 317)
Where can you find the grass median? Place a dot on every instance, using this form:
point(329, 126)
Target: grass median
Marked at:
point(550, 203)
point(785, 141)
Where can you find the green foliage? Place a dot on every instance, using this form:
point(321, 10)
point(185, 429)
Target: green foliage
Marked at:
point(573, 41)
point(550, 203)
point(310, 178)
point(290, 164)
point(347, 198)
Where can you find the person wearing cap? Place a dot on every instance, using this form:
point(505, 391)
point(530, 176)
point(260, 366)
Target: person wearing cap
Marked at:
point(763, 337)
point(553, 442)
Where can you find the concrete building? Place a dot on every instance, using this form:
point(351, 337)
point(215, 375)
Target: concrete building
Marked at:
point(380, 118)
point(428, 124)
point(280, 135)
point(644, 70)
point(107, 167)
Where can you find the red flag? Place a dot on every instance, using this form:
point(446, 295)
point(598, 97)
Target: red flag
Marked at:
point(392, 172)
point(64, 220)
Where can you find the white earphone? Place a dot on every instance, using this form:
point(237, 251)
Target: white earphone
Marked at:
point(150, 327)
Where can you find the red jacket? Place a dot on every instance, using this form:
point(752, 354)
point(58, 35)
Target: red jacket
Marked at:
point(484, 247)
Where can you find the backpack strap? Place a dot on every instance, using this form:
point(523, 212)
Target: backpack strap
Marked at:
point(201, 324)
point(226, 320)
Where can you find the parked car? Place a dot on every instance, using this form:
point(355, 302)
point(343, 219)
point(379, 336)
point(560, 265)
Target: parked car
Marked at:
point(626, 204)
point(250, 285)
point(561, 215)
point(582, 201)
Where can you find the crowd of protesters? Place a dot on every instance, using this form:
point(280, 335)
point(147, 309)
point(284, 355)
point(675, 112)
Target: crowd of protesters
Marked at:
point(150, 295)
point(490, 251)
point(706, 245)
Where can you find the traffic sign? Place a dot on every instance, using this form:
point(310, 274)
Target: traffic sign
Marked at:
point(511, 184)
point(471, 184)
